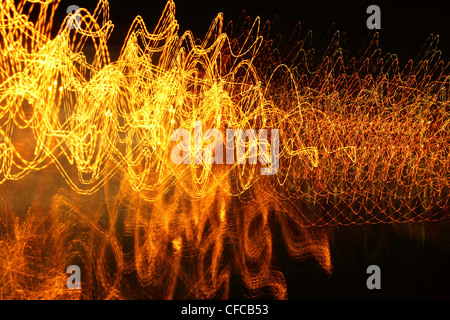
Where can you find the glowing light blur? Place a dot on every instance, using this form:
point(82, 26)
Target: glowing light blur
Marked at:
point(361, 141)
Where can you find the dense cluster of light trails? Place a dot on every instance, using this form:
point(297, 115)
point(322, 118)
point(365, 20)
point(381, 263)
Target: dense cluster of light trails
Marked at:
point(86, 142)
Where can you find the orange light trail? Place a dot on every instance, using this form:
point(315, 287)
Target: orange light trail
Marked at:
point(86, 142)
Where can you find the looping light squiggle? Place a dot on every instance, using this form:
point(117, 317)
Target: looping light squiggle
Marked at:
point(361, 142)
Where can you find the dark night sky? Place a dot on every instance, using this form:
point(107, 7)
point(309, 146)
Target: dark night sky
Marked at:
point(405, 25)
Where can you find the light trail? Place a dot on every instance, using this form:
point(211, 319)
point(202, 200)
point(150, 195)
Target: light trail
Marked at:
point(361, 141)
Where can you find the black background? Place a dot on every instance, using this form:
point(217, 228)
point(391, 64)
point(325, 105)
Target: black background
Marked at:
point(405, 25)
